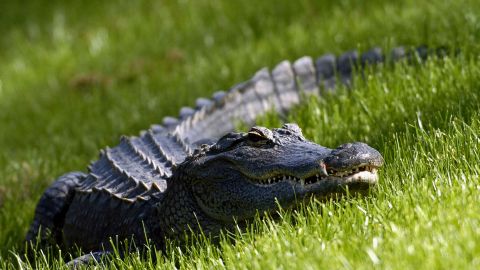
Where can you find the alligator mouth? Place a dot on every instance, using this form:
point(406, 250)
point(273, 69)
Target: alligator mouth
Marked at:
point(365, 174)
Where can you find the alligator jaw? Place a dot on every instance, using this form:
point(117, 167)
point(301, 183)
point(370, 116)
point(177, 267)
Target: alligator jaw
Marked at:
point(366, 174)
point(370, 177)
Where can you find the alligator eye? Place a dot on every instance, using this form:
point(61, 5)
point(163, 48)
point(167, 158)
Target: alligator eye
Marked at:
point(254, 136)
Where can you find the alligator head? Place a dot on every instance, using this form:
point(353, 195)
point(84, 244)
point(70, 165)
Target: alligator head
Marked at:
point(248, 172)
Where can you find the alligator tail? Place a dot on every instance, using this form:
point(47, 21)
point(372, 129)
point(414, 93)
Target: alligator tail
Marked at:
point(278, 91)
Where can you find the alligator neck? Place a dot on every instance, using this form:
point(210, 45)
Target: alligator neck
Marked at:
point(179, 214)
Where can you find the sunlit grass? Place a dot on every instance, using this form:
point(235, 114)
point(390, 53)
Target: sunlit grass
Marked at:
point(74, 77)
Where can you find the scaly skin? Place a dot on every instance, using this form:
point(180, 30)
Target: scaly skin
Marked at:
point(239, 176)
point(248, 173)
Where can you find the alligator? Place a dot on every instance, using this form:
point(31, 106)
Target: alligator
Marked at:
point(194, 173)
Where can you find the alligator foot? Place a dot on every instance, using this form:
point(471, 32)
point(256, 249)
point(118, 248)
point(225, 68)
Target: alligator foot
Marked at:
point(92, 258)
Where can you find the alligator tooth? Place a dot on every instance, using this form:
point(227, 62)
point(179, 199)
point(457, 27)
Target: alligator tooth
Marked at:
point(323, 168)
point(302, 181)
point(269, 180)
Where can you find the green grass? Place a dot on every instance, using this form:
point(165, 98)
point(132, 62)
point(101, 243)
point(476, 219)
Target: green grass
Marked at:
point(76, 76)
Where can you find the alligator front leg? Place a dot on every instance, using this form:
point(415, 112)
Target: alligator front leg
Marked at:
point(46, 228)
point(87, 259)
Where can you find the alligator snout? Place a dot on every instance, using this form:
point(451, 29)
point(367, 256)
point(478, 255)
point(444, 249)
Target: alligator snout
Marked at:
point(353, 155)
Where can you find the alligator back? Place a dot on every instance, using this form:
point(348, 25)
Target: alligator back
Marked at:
point(138, 167)
point(122, 187)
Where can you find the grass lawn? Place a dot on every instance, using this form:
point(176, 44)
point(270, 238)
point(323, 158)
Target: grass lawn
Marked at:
point(76, 76)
